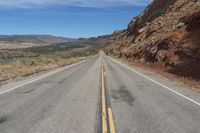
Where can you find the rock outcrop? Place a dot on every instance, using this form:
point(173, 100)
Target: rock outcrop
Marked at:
point(166, 33)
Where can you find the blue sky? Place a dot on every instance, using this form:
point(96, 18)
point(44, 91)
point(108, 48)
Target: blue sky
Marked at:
point(70, 18)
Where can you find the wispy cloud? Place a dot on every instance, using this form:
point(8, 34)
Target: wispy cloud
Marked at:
point(78, 3)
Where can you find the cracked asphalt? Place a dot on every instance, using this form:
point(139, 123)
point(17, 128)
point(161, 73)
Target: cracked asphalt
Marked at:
point(68, 101)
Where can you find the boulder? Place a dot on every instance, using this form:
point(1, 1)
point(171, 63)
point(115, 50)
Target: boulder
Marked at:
point(162, 55)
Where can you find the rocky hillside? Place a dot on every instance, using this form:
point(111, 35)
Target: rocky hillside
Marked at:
point(166, 36)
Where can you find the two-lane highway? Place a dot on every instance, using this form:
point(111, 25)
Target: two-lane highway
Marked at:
point(71, 100)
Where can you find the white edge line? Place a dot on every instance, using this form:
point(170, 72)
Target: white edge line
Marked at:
point(131, 69)
point(51, 73)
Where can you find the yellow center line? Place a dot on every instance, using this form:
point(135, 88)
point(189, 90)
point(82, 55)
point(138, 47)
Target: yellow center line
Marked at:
point(111, 120)
point(104, 113)
point(104, 122)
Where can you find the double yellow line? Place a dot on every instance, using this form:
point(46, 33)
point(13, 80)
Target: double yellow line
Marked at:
point(104, 108)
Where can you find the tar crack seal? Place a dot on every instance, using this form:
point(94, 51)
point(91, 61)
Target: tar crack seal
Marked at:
point(123, 94)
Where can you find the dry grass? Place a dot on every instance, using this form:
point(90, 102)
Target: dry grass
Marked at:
point(22, 63)
point(18, 71)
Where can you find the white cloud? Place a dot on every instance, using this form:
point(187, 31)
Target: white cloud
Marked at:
point(79, 3)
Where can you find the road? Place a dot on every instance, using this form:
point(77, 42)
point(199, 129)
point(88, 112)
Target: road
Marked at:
point(82, 97)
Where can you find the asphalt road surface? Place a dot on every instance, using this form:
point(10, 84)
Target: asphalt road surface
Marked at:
point(82, 97)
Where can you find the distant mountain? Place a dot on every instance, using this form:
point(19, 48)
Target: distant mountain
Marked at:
point(104, 39)
point(25, 41)
point(35, 38)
